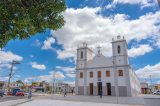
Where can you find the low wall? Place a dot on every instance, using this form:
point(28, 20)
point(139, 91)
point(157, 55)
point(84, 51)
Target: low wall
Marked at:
point(152, 101)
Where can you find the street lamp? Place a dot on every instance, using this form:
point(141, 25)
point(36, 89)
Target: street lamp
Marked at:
point(10, 74)
point(151, 82)
point(158, 2)
point(54, 73)
point(115, 79)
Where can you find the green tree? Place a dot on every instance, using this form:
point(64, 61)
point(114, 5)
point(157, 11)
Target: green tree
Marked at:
point(21, 83)
point(21, 19)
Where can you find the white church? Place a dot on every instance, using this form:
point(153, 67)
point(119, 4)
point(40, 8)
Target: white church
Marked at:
point(110, 75)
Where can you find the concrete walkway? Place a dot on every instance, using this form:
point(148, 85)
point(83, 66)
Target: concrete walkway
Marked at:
point(139, 100)
point(68, 103)
point(14, 102)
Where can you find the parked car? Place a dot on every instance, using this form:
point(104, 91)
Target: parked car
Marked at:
point(156, 92)
point(26, 93)
point(9, 93)
point(20, 93)
point(2, 93)
point(14, 91)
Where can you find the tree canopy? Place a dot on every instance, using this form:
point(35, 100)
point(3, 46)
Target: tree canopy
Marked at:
point(21, 19)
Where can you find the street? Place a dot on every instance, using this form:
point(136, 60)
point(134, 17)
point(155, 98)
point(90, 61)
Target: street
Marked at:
point(8, 98)
point(68, 103)
point(72, 100)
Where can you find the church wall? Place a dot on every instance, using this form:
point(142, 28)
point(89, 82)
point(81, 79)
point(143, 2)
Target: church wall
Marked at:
point(113, 93)
point(122, 90)
point(135, 84)
point(100, 61)
point(104, 79)
point(80, 80)
point(121, 60)
point(121, 79)
point(128, 84)
point(80, 90)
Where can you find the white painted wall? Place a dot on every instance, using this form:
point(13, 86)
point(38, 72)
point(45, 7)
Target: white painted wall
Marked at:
point(80, 80)
point(100, 61)
point(104, 79)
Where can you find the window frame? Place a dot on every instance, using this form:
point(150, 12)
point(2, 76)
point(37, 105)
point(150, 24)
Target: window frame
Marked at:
point(81, 55)
point(120, 73)
point(118, 49)
point(99, 74)
point(108, 73)
point(91, 74)
point(81, 75)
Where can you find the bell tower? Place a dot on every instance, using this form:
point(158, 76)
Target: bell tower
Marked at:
point(119, 50)
point(83, 55)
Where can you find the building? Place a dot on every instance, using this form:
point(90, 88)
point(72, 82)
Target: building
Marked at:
point(2, 85)
point(109, 75)
point(157, 86)
point(144, 88)
point(40, 86)
point(15, 85)
point(60, 87)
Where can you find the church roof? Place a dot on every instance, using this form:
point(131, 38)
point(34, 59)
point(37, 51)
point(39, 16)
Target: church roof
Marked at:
point(100, 61)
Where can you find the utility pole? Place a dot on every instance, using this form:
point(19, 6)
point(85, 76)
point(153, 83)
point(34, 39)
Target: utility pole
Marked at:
point(115, 79)
point(54, 78)
point(151, 82)
point(10, 74)
point(53, 88)
point(158, 2)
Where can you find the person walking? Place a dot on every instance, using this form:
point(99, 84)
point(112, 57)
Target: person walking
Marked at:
point(30, 94)
point(65, 93)
point(72, 91)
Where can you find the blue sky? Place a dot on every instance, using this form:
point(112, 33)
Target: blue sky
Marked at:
point(95, 22)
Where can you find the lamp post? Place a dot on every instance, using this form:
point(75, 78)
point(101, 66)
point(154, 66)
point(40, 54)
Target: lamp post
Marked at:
point(54, 77)
point(10, 74)
point(158, 2)
point(115, 79)
point(151, 82)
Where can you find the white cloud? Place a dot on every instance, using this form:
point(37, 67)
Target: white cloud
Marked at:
point(6, 57)
point(85, 25)
point(153, 70)
point(9, 57)
point(3, 78)
point(158, 43)
point(71, 83)
point(142, 3)
point(48, 78)
point(158, 82)
point(31, 56)
point(140, 50)
point(4, 65)
point(48, 43)
point(69, 71)
point(38, 66)
point(37, 43)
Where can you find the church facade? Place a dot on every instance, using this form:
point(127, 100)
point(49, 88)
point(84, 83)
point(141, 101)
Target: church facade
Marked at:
point(107, 75)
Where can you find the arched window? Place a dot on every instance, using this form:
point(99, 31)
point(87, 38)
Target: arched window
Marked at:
point(91, 74)
point(119, 49)
point(81, 55)
point(99, 74)
point(81, 74)
point(120, 72)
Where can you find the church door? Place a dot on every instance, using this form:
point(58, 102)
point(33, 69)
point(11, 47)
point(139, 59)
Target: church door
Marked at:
point(91, 88)
point(108, 88)
point(99, 85)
